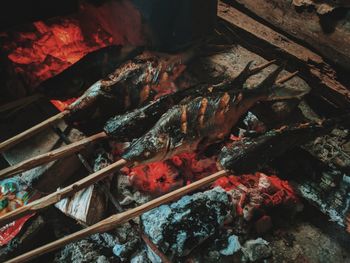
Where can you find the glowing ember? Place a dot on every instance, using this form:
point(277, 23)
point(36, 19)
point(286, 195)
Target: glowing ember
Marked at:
point(252, 192)
point(51, 47)
point(162, 177)
point(62, 105)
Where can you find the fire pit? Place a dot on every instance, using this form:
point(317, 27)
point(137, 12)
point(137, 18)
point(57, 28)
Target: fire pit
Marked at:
point(171, 131)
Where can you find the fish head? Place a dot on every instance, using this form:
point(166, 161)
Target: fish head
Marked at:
point(148, 148)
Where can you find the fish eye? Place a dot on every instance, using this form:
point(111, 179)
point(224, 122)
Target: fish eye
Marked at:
point(147, 153)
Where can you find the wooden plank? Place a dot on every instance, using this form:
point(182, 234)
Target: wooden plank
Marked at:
point(316, 66)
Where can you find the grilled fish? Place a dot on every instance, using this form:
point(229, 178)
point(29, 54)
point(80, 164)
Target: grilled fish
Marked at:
point(201, 121)
point(134, 124)
point(134, 83)
point(249, 154)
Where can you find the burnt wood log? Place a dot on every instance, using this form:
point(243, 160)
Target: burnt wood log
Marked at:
point(313, 66)
point(322, 186)
point(328, 33)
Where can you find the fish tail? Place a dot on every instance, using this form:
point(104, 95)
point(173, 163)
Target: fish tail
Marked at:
point(266, 89)
point(248, 72)
point(272, 89)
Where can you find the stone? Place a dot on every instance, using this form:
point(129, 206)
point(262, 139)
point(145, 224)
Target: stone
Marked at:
point(179, 227)
point(123, 251)
point(257, 249)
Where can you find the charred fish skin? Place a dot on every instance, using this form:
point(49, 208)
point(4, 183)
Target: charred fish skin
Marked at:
point(134, 124)
point(203, 120)
point(134, 83)
point(249, 154)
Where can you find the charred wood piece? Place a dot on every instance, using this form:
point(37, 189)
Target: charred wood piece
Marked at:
point(272, 144)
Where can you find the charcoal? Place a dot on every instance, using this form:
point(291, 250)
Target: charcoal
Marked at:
point(123, 251)
point(127, 243)
point(257, 249)
point(96, 248)
point(333, 202)
point(263, 225)
point(178, 228)
point(223, 247)
point(323, 186)
point(333, 149)
point(140, 258)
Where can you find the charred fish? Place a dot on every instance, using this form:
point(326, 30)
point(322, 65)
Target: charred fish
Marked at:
point(249, 154)
point(134, 83)
point(135, 123)
point(201, 121)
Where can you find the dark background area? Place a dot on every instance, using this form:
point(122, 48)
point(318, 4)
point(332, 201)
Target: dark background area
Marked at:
point(17, 12)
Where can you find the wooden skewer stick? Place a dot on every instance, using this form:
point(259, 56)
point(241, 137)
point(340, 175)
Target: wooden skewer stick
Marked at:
point(50, 156)
point(61, 193)
point(118, 219)
point(58, 195)
point(77, 146)
point(114, 201)
point(30, 132)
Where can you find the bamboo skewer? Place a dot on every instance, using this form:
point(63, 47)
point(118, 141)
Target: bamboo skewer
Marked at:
point(33, 130)
point(54, 119)
point(61, 193)
point(58, 195)
point(110, 222)
point(50, 156)
point(118, 219)
point(77, 146)
point(114, 201)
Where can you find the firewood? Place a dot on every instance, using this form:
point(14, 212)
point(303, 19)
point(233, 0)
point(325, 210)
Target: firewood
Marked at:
point(117, 219)
point(324, 34)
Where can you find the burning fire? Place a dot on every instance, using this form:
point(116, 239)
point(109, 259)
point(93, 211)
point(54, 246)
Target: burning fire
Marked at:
point(162, 177)
point(62, 105)
point(51, 47)
point(258, 191)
